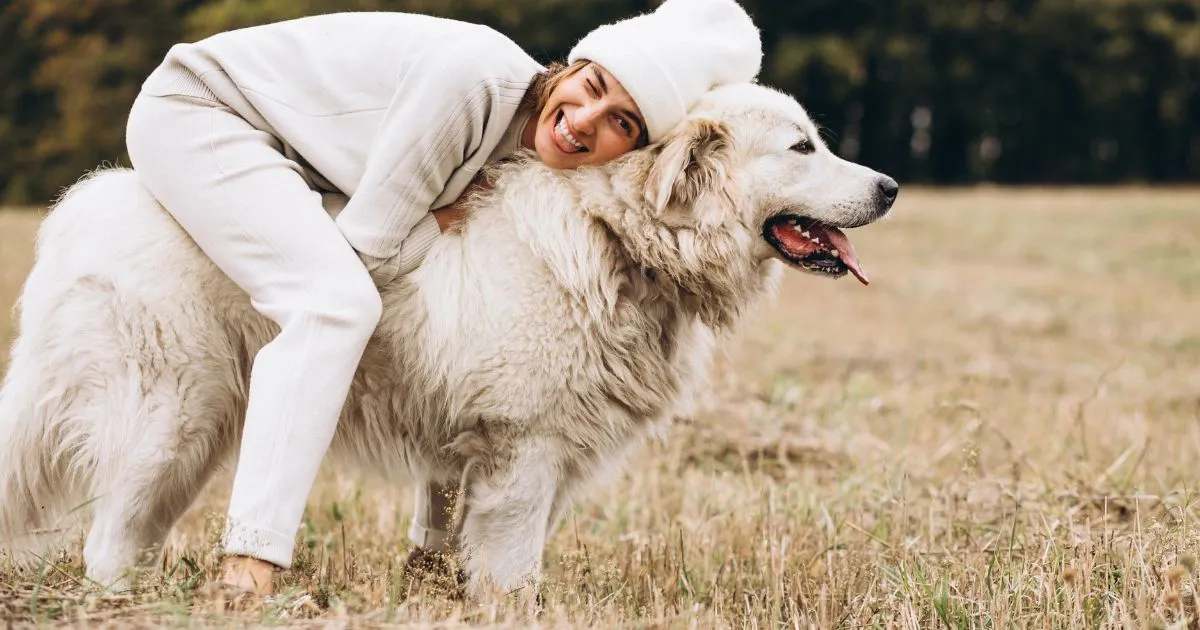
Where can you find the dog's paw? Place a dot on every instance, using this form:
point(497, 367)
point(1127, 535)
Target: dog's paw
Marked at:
point(434, 572)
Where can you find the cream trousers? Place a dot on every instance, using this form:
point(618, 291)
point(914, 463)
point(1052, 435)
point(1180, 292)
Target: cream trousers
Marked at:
point(253, 210)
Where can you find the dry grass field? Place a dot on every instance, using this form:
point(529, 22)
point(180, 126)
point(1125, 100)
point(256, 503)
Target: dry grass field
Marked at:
point(1002, 431)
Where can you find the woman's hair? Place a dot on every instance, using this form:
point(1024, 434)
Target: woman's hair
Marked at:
point(543, 85)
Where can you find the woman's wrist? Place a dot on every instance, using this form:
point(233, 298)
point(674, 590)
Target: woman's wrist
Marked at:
point(448, 217)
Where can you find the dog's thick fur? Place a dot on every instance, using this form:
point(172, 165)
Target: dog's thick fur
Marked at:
point(568, 321)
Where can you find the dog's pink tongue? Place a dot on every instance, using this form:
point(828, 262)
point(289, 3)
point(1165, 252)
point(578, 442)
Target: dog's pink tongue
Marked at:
point(838, 241)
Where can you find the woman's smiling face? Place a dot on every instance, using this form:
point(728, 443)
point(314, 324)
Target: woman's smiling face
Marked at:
point(588, 119)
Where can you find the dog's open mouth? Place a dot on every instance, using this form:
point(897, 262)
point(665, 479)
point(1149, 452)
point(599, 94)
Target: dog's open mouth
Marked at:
point(813, 246)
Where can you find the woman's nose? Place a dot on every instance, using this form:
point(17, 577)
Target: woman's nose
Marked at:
point(586, 117)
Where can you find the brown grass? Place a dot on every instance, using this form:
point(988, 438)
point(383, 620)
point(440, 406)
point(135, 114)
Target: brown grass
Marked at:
point(999, 432)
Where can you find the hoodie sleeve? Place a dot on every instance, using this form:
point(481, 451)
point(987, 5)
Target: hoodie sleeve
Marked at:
point(436, 121)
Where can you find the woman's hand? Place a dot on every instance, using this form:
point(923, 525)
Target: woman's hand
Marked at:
point(451, 217)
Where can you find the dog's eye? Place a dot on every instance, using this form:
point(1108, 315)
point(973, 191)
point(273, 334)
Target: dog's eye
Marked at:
point(804, 147)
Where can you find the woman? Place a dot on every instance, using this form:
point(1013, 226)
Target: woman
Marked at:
point(237, 136)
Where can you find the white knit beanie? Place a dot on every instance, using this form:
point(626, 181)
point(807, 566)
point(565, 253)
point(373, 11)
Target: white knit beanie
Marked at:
point(669, 58)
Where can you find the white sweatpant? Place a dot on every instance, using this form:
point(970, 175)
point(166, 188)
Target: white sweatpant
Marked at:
point(250, 209)
point(433, 518)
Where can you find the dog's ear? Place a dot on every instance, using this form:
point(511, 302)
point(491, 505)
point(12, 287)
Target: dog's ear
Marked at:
point(692, 162)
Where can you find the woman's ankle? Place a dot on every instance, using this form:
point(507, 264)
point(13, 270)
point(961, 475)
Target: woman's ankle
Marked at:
point(251, 574)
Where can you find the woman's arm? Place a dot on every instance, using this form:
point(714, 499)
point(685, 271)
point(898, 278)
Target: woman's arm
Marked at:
point(451, 217)
point(444, 106)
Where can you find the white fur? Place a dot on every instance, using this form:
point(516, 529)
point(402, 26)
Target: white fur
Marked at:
point(527, 355)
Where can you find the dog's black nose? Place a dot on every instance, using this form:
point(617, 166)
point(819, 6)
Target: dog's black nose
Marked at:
point(889, 188)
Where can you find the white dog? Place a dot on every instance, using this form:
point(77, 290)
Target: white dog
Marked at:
point(567, 322)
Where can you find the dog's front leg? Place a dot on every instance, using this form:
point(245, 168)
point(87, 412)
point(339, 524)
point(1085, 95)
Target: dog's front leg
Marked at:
point(506, 518)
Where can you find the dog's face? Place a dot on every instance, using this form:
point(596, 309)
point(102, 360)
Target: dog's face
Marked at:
point(748, 158)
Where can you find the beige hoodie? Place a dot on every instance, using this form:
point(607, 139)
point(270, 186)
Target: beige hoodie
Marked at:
point(398, 111)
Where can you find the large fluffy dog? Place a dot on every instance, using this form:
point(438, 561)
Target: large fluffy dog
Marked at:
point(565, 323)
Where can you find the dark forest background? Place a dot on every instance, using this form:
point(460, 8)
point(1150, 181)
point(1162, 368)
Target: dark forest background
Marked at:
point(934, 91)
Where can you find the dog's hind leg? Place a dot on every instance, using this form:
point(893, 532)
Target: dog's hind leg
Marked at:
point(136, 502)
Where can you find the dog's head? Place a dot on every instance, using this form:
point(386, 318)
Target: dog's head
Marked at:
point(747, 166)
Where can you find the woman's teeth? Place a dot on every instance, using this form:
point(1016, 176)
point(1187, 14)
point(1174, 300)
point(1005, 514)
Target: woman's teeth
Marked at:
point(566, 134)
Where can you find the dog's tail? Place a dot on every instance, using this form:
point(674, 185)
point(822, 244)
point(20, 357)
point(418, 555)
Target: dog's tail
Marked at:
point(17, 513)
point(28, 495)
point(33, 488)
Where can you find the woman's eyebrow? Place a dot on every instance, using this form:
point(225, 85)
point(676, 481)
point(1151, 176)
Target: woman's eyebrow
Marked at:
point(632, 116)
point(604, 90)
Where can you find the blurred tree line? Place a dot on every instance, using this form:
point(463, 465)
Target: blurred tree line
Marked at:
point(940, 91)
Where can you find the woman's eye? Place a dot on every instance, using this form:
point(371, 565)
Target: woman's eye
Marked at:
point(804, 147)
point(624, 125)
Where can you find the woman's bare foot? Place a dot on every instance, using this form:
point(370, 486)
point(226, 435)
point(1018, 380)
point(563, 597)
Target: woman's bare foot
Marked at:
point(253, 575)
